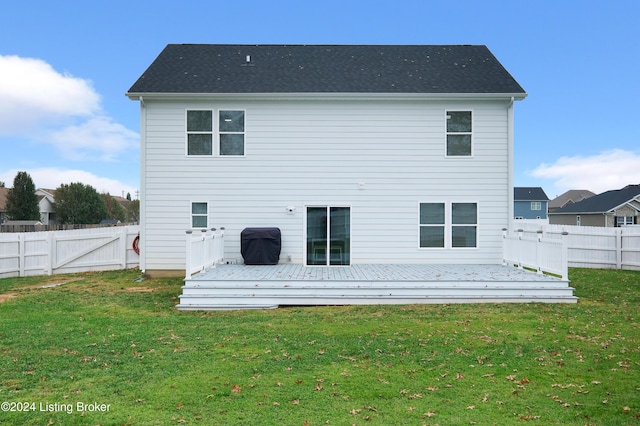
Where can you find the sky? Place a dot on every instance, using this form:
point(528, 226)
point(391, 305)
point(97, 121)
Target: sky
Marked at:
point(65, 67)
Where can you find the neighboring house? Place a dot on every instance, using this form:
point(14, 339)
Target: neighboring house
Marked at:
point(357, 153)
point(610, 209)
point(3, 204)
point(530, 203)
point(46, 203)
point(570, 197)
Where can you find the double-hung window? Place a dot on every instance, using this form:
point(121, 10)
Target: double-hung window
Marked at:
point(199, 132)
point(199, 215)
point(448, 225)
point(459, 134)
point(231, 132)
point(202, 131)
point(536, 205)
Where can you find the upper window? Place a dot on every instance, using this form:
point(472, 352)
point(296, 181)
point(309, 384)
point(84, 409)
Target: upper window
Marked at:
point(199, 133)
point(199, 215)
point(448, 225)
point(459, 133)
point(231, 125)
point(536, 205)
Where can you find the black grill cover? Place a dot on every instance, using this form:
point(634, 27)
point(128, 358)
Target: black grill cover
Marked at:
point(260, 246)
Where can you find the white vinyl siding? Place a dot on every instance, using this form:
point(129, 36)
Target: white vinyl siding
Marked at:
point(381, 158)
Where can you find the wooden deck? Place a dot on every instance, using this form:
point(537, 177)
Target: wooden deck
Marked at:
point(270, 286)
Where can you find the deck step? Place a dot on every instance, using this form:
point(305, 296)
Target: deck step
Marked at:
point(264, 298)
point(238, 287)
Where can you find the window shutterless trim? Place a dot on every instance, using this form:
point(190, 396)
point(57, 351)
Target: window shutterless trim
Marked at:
point(219, 133)
point(193, 215)
point(448, 224)
point(198, 132)
point(447, 133)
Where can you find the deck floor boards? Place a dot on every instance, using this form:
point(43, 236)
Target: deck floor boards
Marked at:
point(369, 272)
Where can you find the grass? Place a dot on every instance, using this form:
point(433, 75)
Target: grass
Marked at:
point(101, 338)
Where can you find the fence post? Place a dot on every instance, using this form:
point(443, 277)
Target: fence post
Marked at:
point(51, 254)
point(565, 256)
point(123, 246)
point(538, 252)
point(21, 255)
point(519, 250)
point(618, 248)
point(187, 260)
point(504, 246)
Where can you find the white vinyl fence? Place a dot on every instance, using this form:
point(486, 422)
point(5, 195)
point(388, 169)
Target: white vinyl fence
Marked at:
point(544, 255)
point(592, 247)
point(62, 252)
point(205, 249)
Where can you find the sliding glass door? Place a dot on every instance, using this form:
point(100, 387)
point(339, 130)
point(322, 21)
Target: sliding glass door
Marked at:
point(328, 235)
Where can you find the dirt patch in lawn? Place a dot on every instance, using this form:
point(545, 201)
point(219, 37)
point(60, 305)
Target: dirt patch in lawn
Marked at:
point(7, 296)
point(139, 289)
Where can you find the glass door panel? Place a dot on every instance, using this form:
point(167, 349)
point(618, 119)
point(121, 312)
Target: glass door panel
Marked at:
point(328, 235)
point(339, 226)
point(316, 235)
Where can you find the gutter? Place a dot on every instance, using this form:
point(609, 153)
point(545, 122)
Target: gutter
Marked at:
point(330, 96)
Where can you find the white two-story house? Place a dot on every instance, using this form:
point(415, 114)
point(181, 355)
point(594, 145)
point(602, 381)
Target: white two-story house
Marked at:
point(358, 154)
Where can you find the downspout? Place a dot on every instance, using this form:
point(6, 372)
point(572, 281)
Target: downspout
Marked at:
point(143, 192)
point(510, 159)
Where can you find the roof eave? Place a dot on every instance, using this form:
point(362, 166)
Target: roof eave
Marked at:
point(324, 95)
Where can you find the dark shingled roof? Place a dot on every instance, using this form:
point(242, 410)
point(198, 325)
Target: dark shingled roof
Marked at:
point(603, 202)
point(526, 193)
point(388, 69)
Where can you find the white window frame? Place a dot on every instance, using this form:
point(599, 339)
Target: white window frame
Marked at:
point(536, 205)
point(199, 132)
point(623, 221)
point(215, 133)
point(193, 215)
point(447, 133)
point(219, 133)
point(449, 225)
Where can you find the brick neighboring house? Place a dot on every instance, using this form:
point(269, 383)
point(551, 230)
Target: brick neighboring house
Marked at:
point(613, 208)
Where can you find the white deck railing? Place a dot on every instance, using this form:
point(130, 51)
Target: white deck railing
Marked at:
point(205, 249)
point(540, 254)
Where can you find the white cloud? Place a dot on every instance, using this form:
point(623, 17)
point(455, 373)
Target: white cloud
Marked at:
point(40, 104)
point(33, 94)
point(608, 170)
point(53, 177)
point(97, 136)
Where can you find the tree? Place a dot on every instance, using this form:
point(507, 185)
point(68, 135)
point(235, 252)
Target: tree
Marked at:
point(22, 202)
point(133, 211)
point(77, 203)
point(114, 208)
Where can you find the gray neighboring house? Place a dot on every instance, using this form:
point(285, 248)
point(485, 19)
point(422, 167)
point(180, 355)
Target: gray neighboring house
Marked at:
point(530, 203)
point(570, 197)
point(610, 209)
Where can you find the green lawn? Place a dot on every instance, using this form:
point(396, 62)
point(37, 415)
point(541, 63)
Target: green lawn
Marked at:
point(103, 349)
